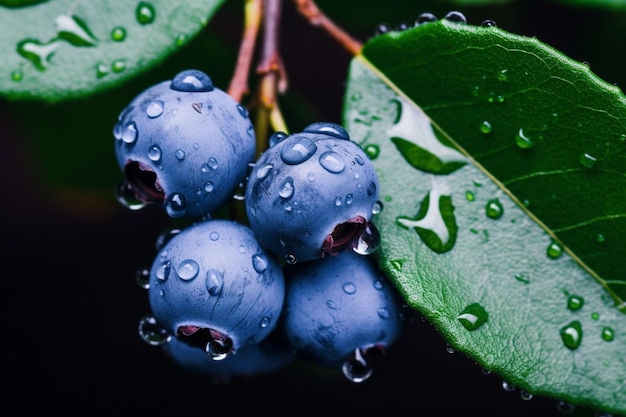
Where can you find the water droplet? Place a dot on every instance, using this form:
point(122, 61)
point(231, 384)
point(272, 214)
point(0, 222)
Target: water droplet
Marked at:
point(328, 128)
point(383, 313)
point(101, 70)
point(473, 316)
point(17, 75)
point(151, 332)
point(470, 196)
point(74, 30)
point(118, 34)
point(188, 269)
point(525, 395)
point(456, 17)
point(179, 154)
point(356, 368)
point(587, 160)
point(208, 186)
point(503, 75)
point(372, 151)
point(338, 201)
point(39, 54)
point(369, 240)
point(608, 334)
point(214, 236)
point(494, 209)
point(332, 162)
point(485, 127)
point(449, 348)
point(377, 207)
point(155, 108)
point(214, 281)
point(297, 150)
point(118, 66)
point(265, 321)
point(145, 13)
point(163, 271)
point(142, 278)
point(425, 18)
point(523, 141)
point(126, 197)
point(154, 153)
point(488, 23)
point(349, 199)
point(600, 238)
point(575, 302)
point(181, 39)
point(291, 259)
point(554, 250)
point(435, 222)
point(175, 205)
point(129, 132)
point(595, 316)
point(397, 264)
point(349, 288)
point(191, 81)
point(508, 386)
point(286, 189)
point(260, 262)
point(276, 138)
point(572, 335)
point(219, 349)
point(522, 278)
point(381, 29)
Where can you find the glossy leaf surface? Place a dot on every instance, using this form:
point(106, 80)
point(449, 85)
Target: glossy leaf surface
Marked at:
point(503, 176)
point(64, 49)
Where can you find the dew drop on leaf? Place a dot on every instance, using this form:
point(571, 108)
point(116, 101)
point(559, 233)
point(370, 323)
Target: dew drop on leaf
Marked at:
point(494, 209)
point(485, 127)
point(372, 151)
point(145, 13)
point(572, 334)
point(575, 302)
point(523, 140)
point(473, 316)
point(587, 160)
point(554, 250)
point(608, 334)
point(118, 34)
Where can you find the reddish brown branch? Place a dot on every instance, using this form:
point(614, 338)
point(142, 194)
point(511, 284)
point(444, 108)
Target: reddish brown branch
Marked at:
point(314, 15)
point(238, 87)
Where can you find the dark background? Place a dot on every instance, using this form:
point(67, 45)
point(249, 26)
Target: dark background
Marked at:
point(69, 252)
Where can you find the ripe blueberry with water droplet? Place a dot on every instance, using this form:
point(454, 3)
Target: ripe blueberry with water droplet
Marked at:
point(341, 311)
point(313, 193)
point(185, 145)
point(213, 286)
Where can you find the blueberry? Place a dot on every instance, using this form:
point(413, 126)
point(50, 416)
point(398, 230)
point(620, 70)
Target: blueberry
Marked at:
point(312, 193)
point(184, 145)
point(212, 285)
point(341, 311)
point(269, 355)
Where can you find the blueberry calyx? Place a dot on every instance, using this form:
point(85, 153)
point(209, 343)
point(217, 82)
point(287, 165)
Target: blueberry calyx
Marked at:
point(143, 182)
point(208, 339)
point(345, 236)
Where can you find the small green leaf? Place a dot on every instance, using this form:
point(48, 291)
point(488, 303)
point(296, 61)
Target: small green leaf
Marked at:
point(531, 282)
point(65, 49)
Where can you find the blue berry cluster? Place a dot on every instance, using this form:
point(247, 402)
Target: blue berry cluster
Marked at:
point(239, 297)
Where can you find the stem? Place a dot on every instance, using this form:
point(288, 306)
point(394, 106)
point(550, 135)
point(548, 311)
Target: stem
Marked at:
point(314, 15)
point(238, 87)
point(271, 69)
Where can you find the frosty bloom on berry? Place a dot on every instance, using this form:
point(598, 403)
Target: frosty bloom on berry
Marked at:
point(183, 144)
point(312, 194)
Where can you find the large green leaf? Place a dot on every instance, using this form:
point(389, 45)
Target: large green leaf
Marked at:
point(502, 166)
point(64, 49)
